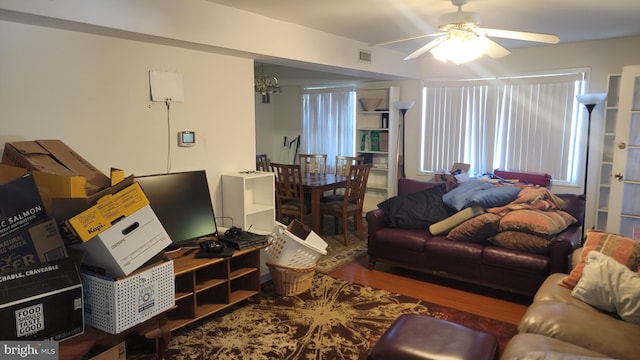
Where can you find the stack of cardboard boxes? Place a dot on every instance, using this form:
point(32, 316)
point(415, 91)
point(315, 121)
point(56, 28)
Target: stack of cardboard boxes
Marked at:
point(54, 207)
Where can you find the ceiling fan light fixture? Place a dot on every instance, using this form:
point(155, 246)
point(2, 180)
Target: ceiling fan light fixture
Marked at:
point(460, 47)
point(466, 19)
point(461, 39)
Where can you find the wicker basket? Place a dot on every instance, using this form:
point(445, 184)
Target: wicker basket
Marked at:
point(290, 281)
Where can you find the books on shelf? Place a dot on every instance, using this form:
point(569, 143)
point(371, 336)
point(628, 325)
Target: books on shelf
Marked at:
point(374, 140)
point(365, 143)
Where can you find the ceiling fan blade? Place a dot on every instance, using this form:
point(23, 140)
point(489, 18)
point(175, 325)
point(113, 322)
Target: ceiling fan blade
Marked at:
point(494, 50)
point(520, 35)
point(406, 39)
point(430, 45)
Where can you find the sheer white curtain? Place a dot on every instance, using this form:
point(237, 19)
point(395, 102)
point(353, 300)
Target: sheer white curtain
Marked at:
point(328, 123)
point(524, 124)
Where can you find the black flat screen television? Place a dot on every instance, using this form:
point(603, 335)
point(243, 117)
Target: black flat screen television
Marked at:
point(182, 203)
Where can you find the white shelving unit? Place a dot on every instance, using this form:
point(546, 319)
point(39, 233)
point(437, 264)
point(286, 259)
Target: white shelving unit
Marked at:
point(249, 200)
point(384, 123)
point(608, 143)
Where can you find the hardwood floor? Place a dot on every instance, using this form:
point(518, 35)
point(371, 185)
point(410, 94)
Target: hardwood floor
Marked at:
point(473, 299)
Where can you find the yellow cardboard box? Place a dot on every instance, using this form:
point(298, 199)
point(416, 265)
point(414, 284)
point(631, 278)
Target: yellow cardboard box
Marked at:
point(55, 189)
point(104, 213)
point(54, 157)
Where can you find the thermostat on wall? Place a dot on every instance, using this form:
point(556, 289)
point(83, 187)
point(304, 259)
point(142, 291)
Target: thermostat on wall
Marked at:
point(186, 138)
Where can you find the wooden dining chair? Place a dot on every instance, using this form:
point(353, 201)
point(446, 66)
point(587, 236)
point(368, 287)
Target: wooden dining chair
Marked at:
point(352, 202)
point(343, 166)
point(262, 163)
point(313, 163)
point(290, 199)
point(343, 163)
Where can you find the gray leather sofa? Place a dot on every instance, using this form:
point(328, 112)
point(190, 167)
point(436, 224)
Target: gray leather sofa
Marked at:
point(559, 326)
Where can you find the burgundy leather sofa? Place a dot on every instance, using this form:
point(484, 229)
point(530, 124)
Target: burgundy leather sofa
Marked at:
point(479, 263)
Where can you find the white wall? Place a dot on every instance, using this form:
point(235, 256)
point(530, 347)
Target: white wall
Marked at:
point(274, 121)
point(92, 92)
point(78, 71)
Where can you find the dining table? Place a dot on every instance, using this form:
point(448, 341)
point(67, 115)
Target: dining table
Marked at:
point(316, 184)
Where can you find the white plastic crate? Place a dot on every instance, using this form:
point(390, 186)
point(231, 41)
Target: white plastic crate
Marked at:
point(287, 249)
point(116, 305)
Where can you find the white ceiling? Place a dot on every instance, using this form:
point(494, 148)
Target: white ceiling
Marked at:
point(375, 21)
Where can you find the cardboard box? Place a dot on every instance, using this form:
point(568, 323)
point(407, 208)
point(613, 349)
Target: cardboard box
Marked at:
point(41, 302)
point(117, 352)
point(114, 305)
point(456, 168)
point(20, 205)
point(37, 244)
point(126, 245)
point(63, 208)
point(101, 216)
point(54, 157)
point(56, 190)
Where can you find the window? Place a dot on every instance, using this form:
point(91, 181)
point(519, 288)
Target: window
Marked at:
point(527, 123)
point(328, 123)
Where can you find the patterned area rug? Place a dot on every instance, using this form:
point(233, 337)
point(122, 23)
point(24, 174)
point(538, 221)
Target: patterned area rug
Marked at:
point(339, 254)
point(335, 319)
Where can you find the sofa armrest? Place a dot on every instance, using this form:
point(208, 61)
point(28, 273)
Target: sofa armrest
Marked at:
point(595, 331)
point(375, 220)
point(561, 248)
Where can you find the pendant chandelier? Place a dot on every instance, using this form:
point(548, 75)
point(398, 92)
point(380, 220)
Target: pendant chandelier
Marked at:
point(266, 85)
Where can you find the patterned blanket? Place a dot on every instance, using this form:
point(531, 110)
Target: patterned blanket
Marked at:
point(531, 198)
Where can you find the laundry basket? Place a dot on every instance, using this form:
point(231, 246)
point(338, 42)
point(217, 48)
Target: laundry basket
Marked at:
point(289, 281)
point(288, 249)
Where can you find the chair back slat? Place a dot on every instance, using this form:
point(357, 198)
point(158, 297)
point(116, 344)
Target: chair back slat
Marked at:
point(289, 191)
point(357, 184)
point(343, 163)
point(313, 163)
point(262, 162)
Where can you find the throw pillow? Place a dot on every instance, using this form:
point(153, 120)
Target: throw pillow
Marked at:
point(479, 193)
point(537, 222)
point(477, 229)
point(497, 195)
point(516, 240)
point(458, 198)
point(444, 226)
point(622, 249)
point(609, 286)
point(416, 210)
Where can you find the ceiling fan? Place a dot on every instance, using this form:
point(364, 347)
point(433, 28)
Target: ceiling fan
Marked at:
point(463, 28)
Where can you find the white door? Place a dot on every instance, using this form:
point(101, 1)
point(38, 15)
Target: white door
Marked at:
point(624, 201)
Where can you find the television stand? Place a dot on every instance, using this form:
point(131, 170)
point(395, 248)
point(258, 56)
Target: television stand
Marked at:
point(205, 286)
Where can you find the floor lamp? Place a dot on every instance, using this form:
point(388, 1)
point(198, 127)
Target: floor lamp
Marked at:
point(403, 106)
point(589, 101)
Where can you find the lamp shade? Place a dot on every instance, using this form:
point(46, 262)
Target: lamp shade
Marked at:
point(591, 99)
point(403, 105)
